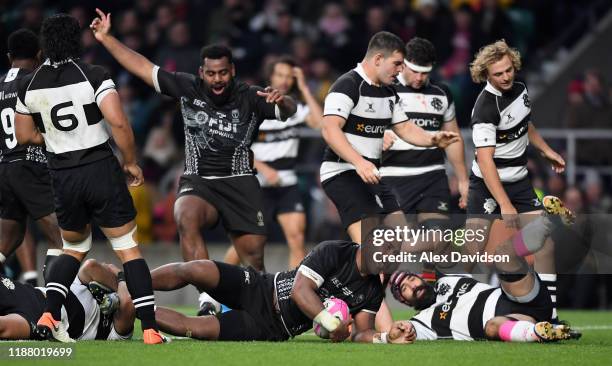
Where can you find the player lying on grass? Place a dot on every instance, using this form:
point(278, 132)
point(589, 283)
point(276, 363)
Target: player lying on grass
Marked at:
point(276, 307)
point(461, 308)
point(21, 306)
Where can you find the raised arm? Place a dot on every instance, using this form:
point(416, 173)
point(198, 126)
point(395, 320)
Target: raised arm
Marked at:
point(314, 119)
point(131, 60)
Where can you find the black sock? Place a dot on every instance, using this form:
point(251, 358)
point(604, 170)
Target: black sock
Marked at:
point(49, 259)
point(65, 269)
point(138, 281)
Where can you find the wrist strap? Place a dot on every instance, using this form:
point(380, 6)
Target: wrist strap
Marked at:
point(380, 338)
point(120, 276)
point(327, 320)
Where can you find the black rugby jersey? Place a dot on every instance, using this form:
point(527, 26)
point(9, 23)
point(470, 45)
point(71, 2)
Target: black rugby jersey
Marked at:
point(9, 149)
point(332, 266)
point(63, 100)
point(217, 138)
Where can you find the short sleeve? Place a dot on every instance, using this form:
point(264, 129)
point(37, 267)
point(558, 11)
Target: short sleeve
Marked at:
point(375, 300)
point(263, 109)
point(485, 119)
point(100, 80)
point(22, 87)
point(172, 84)
point(319, 263)
point(450, 113)
point(399, 115)
point(342, 97)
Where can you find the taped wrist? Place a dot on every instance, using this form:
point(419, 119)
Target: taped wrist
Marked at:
point(380, 338)
point(327, 321)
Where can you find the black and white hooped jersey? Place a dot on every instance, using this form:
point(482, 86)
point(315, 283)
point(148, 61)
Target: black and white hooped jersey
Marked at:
point(332, 266)
point(10, 151)
point(502, 120)
point(217, 138)
point(368, 110)
point(462, 308)
point(429, 108)
point(277, 145)
point(64, 99)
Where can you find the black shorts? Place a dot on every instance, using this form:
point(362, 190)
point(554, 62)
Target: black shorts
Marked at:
point(97, 191)
point(250, 296)
point(521, 194)
point(237, 199)
point(25, 190)
point(280, 200)
point(356, 200)
point(540, 308)
point(424, 193)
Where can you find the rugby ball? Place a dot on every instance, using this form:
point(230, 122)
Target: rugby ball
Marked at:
point(336, 307)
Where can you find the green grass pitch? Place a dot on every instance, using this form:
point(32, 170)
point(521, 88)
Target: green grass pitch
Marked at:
point(595, 348)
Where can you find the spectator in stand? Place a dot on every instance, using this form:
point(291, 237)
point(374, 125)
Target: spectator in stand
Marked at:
point(179, 54)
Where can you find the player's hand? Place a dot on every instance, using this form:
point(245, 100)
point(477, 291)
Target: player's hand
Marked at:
point(134, 175)
point(272, 95)
point(368, 172)
point(402, 332)
point(464, 187)
point(388, 140)
point(341, 333)
point(442, 139)
point(557, 162)
point(101, 25)
point(510, 216)
point(300, 79)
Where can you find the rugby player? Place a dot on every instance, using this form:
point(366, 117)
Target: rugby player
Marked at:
point(66, 104)
point(221, 118)
point(25, 184)
point(501, 130)
point(276, 150)
point(461, 308)
point(276, 307)
point(21, 305)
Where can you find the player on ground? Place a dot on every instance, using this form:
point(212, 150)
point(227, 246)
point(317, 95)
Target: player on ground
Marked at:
point(25, 184)
point(416, 174)
point(461, 308)
point(221, 117)
point(358, 109)
point(21, 305)
point(276, 307)
point(501, 130)
point(67, 104)
point(276, 150)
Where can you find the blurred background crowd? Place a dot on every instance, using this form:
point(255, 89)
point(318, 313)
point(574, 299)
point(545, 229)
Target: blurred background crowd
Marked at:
point(327, 38)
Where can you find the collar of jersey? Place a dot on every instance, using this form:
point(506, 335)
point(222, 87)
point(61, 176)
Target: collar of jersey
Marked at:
point(55, 64)
point(359, 70)
point(491, 89)
point(400, 78)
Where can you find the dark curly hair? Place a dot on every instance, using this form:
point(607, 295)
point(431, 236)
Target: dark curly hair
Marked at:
point(420, 52)
point(60, 37)
point(23, 44)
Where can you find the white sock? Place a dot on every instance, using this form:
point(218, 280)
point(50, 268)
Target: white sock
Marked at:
point(518, 331)
point(2, 258)
point(204, 297)
point(29, 275)
point(54, 252)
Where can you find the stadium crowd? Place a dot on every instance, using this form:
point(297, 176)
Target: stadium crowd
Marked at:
point(325, 38)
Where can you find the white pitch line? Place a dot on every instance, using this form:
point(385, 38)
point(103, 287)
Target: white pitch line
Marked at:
point(594, 327)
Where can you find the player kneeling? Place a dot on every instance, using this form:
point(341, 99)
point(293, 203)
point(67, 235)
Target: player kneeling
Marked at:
point(22, 305)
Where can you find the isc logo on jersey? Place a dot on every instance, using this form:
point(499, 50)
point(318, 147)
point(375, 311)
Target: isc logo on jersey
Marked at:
point(375, 130)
